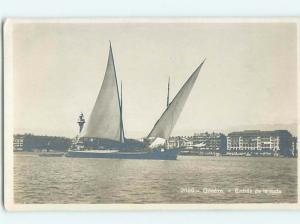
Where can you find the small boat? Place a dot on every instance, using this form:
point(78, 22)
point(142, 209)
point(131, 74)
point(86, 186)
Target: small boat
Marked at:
point(106, 127)
point(52, 154)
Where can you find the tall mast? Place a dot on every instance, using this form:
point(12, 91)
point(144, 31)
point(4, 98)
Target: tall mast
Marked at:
point(122, 136)
point(168, 96)
point(120, 98)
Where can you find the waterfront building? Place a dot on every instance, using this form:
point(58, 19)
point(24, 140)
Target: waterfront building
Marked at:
point(209, 143)
point(200, 143)
point(260, 143)
point(18, 142)
point(182, 142)
point(29, 142)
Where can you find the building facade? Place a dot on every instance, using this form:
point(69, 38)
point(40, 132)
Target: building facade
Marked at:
point(260, 143)
point(209, 143)
point(182, 142)
point(18, 142)
point(199, 144)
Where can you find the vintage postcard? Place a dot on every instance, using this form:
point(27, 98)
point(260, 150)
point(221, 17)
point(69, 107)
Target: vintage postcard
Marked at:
point(165, 113)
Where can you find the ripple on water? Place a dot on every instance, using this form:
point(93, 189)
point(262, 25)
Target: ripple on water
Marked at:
point(70, 180)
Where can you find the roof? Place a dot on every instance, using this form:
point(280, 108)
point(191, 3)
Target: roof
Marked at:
point(258, 132)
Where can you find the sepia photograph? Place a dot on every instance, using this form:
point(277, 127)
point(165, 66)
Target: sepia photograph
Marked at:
point(147, 113)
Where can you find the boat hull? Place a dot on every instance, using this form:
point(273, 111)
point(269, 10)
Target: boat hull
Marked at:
point(170, 154)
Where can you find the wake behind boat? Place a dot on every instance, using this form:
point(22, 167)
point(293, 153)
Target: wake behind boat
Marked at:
point(105, 129)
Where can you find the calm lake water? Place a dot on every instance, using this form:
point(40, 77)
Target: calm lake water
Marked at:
point(190, 179)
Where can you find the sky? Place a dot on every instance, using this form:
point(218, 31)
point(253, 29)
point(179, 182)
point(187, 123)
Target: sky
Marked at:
point(249, 76)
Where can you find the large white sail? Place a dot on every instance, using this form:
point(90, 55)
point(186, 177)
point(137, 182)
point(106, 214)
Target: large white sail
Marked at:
point(105, 120)
point(166, 123)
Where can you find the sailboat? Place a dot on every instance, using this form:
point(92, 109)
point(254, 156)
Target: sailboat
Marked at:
point(105, 126)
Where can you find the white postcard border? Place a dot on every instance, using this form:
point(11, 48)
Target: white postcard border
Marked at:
point(8, 121)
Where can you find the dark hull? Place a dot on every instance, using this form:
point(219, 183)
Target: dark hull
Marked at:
point(170, 154)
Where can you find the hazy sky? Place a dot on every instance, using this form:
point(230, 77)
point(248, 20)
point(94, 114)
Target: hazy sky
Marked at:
point(249, 77)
